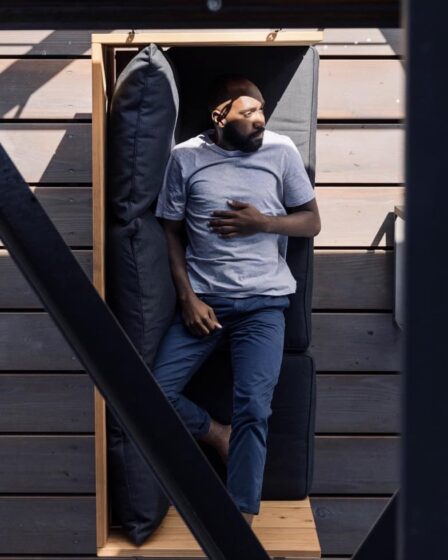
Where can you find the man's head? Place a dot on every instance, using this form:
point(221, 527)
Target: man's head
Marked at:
point(236, 107)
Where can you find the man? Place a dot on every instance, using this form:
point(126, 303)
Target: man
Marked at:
point(230, 187)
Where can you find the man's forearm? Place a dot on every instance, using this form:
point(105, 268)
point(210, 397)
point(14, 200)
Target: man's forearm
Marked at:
point(179, 267)
point(302, 223)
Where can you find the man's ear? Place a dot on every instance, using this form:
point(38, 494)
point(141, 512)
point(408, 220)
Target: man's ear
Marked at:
point(218, 118)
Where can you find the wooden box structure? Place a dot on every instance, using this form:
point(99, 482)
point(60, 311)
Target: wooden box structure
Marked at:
point(285, 528)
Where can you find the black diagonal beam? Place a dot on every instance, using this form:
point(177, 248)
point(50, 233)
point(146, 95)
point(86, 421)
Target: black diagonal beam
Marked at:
point(381, 541)
point(120, 374)
point(181, 14)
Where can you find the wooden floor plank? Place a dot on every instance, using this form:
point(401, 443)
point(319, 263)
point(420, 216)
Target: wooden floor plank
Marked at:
point(284, 528)
point(340, 342)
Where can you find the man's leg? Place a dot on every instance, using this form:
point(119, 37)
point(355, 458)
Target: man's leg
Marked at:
point(257, 341)
point(178, 357)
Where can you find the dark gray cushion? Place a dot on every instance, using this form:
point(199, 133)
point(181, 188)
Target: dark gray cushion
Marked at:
point(143, 116)
point(139, 287)
point(290, 444)
point(288, 80)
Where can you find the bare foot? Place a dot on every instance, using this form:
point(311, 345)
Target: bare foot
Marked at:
point(218, 437)
point(249, 517)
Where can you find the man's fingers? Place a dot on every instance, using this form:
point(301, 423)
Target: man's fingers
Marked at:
point(214, 318)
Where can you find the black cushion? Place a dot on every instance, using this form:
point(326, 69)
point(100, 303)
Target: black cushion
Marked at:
point(139, 287)
point(290, 443)
point(142, 121)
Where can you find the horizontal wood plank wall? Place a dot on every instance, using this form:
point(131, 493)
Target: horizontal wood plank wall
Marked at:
point(47, 504)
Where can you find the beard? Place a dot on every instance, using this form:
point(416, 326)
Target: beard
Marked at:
point(243, 143)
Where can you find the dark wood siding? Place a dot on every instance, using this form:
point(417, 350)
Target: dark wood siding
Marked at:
point(47, 502)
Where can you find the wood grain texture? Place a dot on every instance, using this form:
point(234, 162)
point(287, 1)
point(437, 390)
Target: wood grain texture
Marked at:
point(285, 528)
point(49, 153)
point(47, 525)
point(357, 216)
point(47, 464)
point(358, 403)
point(54, 464)
point(37, 403)
point(32, 342)
point(345, 279)
point(356, 465)
point(45, 89)
point(361, 89)
point(355, 342)
point(336, 42)
point(70, 210)
point(340, 342)
point(342, 279)
point(54, 402)
point(351, 216)
point(15, 291)
point(352, 41)
point(343, 523)
point(358, 154)
point(61, 89)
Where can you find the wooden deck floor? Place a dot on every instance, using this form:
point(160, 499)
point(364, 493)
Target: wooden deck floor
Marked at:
point(286, 529)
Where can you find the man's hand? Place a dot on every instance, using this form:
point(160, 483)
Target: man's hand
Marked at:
point(244, 220)
point(199, 317)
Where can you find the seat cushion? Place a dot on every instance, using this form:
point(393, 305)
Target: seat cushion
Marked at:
point(290, 444)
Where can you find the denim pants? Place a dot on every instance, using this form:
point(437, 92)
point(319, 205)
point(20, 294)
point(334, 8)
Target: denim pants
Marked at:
point(255, 326)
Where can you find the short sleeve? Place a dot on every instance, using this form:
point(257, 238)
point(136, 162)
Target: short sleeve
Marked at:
point(172, 196)
point(297, 188)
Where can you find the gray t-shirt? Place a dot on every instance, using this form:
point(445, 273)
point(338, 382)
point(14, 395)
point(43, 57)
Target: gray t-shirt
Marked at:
point(200, 177)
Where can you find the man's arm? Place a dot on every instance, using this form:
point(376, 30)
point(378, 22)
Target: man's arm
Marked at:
point(301, 221)
point(199, 317)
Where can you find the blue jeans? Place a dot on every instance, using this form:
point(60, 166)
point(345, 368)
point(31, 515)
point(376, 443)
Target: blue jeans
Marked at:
point(256, 327)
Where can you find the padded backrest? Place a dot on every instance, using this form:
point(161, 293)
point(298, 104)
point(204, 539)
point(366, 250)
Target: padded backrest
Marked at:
point(288, 80)
point(143, 115)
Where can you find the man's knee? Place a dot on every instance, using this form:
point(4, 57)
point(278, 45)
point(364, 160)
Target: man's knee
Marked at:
point(251, 410)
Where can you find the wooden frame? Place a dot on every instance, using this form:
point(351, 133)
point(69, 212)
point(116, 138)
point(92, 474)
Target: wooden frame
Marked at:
point(103, 48)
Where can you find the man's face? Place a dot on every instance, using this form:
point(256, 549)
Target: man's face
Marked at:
point(244, 124)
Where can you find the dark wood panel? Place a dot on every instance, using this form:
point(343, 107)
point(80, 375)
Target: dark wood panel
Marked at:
point(358, 403)
point(15, 292)
point(61, 89)
point(343, 523)
point(49, 153)
point(64, 403)
point(36, 525)
point(357, 154)
point(342, 280)
point(31, 341)
point(337, 42)
point(340, 342)
point(42, 402)
point(70, 209)
point(356, 465)
point(45, 89)
point(356, 216)
point(47, 465)
point(188, 14)
point(355, 342)
point(353, 279)
point(65, 464)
